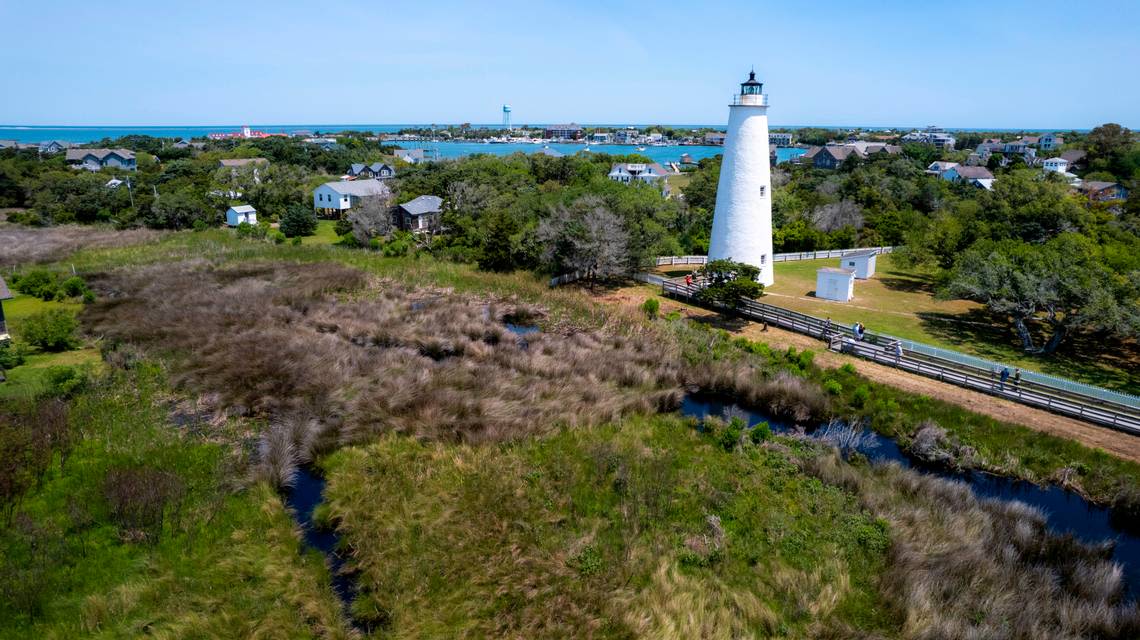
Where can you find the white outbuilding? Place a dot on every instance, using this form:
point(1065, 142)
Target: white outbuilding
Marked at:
point(240, 213)
point(861, 262)
point(835, 284)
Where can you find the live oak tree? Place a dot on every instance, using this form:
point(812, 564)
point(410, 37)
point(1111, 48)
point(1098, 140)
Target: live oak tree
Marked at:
point(729, 283)
point(585, 236)
point(1063, 284)
point(298, 220)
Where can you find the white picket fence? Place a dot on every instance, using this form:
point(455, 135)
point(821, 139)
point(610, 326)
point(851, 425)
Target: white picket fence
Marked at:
point(779, 257)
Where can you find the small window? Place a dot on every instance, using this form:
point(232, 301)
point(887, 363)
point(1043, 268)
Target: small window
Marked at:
point(763, 259)
point(763, 191)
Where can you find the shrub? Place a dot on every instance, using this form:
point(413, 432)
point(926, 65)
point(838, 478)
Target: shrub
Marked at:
point(245, 230)
point(651, 307)
point(729, 437)
point(760, 433)
point(277, 237)
point(805, 359)
point(860, 396)
point(343, 227)
point(199, 225)
point(11, 355)
point(39, 283)
point(833, 387)
point(298, 220)
point(51, 330)
point(295, 241)
point(848, 368)
point(63, 381)
point(73, 287)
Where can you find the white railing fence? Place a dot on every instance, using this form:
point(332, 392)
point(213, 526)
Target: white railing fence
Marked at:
point(665, 261)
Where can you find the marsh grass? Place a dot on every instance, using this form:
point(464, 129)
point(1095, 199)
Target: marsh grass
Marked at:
point(961, 567)
point(225, 565)
point(590, 532)
point(332, 357)
point(27, 245)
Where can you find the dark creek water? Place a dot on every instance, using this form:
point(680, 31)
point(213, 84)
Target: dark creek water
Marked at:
point(302, 499)
point(522, 330)
point(1065, 511)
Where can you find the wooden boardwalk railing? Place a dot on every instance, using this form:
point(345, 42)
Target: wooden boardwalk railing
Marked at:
point(1121, 415)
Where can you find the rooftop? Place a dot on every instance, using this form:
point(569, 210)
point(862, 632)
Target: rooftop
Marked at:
point(423, 204)
point(370, 187)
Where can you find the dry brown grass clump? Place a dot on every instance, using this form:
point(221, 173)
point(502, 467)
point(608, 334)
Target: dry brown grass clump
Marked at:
point(782, 395)
point(25, 245)
point(961, 567)
point(329, 362)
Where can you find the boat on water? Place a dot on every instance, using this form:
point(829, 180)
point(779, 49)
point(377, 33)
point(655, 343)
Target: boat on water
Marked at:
point(641, 148)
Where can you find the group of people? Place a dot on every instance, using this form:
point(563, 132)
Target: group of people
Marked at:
point(1003, 377)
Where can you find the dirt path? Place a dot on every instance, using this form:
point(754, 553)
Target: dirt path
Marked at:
point(1119, 444)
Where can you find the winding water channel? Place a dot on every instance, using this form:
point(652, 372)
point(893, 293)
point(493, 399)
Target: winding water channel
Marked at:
point(1065, 511)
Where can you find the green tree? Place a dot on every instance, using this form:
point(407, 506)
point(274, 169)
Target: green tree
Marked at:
point(298, 220)
point(1062, 284)
point(729, 283)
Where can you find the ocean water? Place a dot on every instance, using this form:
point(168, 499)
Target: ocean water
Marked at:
point(437, 150)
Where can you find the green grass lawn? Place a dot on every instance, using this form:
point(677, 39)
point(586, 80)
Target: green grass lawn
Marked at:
point(29, 379)
point(900, 301)
point(325, 234)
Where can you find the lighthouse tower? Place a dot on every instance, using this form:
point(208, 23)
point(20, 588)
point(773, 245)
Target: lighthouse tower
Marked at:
point(742, 222)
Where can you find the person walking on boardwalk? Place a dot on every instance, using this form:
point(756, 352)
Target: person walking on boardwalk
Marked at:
point(1004, 377)
point(1017, 379)
point(898, 352)
point(688, 280)
point(826, 328)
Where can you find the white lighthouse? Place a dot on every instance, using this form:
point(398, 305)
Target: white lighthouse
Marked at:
point(742, 222)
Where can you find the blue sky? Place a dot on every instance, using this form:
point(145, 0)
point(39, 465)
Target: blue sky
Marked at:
point(1039, 64)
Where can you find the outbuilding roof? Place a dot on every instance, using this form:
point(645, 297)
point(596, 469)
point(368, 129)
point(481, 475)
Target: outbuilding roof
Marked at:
point(243, 208)
point(836, 270)
point(423, 205)
point(969, 173)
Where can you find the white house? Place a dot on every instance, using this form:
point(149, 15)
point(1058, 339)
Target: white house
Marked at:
point(600, 137)
point(240, 213)
point(835, 284)
point(334, 198)
point(630, 172)
point(411, 156)
point(1057, 165)
point(967, 174)
point(780, 139)
point(862, 262)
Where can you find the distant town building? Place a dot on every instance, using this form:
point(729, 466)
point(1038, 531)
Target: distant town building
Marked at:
point(625, 136)
point(411, 156)
point(240, 213)
point(1050, 141)
point(832, 155)
point(940, 167)
point(600, 137)
point(420, 215)
point(714, 138)
point(933, 136)
point(378, 170)
point(563, 132)
point(780, 139)
point(328, 144)
point(1101, 191)
point(334, 198)
point(835, 284)
point(54, 146)
point(1056, 165)
point(96, 159)
point(960, 173)
point(1076, 157)
point(9, 144)
point(637, 172)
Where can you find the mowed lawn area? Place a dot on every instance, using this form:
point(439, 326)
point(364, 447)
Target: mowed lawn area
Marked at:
point(900, 301)
point(325, 233)
point(29, 378)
